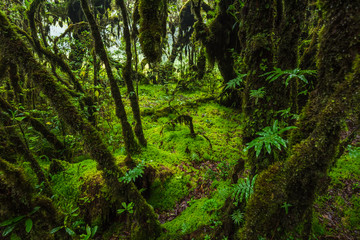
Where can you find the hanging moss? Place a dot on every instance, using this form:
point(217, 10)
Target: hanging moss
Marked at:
point(152, 28)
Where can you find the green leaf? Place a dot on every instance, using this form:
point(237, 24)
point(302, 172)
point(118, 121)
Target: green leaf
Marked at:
point(268, 147)
point(8, 230)
point(88, 230)
point(70, 232)
point(54, 230)
point(34, 210)
point(19, 119)
point(28, 225)
point(94, 230)
point(119, 211)
point(12, 220)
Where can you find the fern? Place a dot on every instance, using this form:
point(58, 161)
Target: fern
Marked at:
point(268, 136)
point(134, 173)
point(235, 82)
point(243, 190)
point(295, 73)
point(237, 217)
point(257, 94)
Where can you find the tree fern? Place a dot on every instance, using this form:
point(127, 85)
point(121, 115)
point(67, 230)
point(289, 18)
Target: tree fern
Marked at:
point(243, 190)
point(294, 73)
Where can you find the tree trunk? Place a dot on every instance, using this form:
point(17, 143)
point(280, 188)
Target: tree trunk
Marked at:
point(130, 143)
point(14, 49)
point(296, 180)
point(128, 73)
point(22, 149)
point(38, 126)
point(258, 53)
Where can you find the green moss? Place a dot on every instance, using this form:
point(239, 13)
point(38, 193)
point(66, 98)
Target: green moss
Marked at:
point(66, 185)
point(189, 220)
point(352, 214)
point(165, 195)
point(347, 167)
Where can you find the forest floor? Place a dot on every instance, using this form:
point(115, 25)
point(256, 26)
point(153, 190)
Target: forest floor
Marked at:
point(186, 177)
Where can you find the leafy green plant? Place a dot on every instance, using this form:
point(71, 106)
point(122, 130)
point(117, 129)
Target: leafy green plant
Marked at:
point(243, 189)
point(286, 207)
point(133, 174)
point(68, 225)
point(269, 136)
point(90, 232)
point(207, 237)
point(295, 73)
point(285, 113)
point(237, 217)
point(235, 82)
point(10, 224)
point(126, 208)
point(257, 94)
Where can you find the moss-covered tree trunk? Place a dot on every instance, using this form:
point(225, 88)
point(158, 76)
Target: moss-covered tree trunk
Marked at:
point(55, 59)
point(151, 28)
point(256, 34)
point(220, 38)
point(130, 143)
point(21, 198)
point(292, 18)
point(22, 148)
point(12, 47)
point(128, 73)
point(15, 83)
point(296, 180)
point(38, 126)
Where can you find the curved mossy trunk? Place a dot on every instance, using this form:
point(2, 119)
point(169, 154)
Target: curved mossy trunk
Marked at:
point(128, 73)
point(57, 60)
point(22, 148)
point(15, 50)
point(38, 126)
point(130, 143)
point(296, 180)
point(308, 61)
point(333, 63)
point(21, 199)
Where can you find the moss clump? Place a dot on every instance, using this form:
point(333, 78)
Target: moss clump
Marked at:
point(347, 167)
point(189, 220)
point(151, 30)
point(94, 205)
point(67, 184)
point(165, 195)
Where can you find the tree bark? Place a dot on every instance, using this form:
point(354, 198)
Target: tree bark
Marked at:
point(130, 143)
point(14, 49)
point(38, 126)
point(22, 149)
point(128, 73)
point(296, 180)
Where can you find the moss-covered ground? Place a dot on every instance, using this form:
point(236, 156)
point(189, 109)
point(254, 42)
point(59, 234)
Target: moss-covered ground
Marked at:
point(186, 178)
